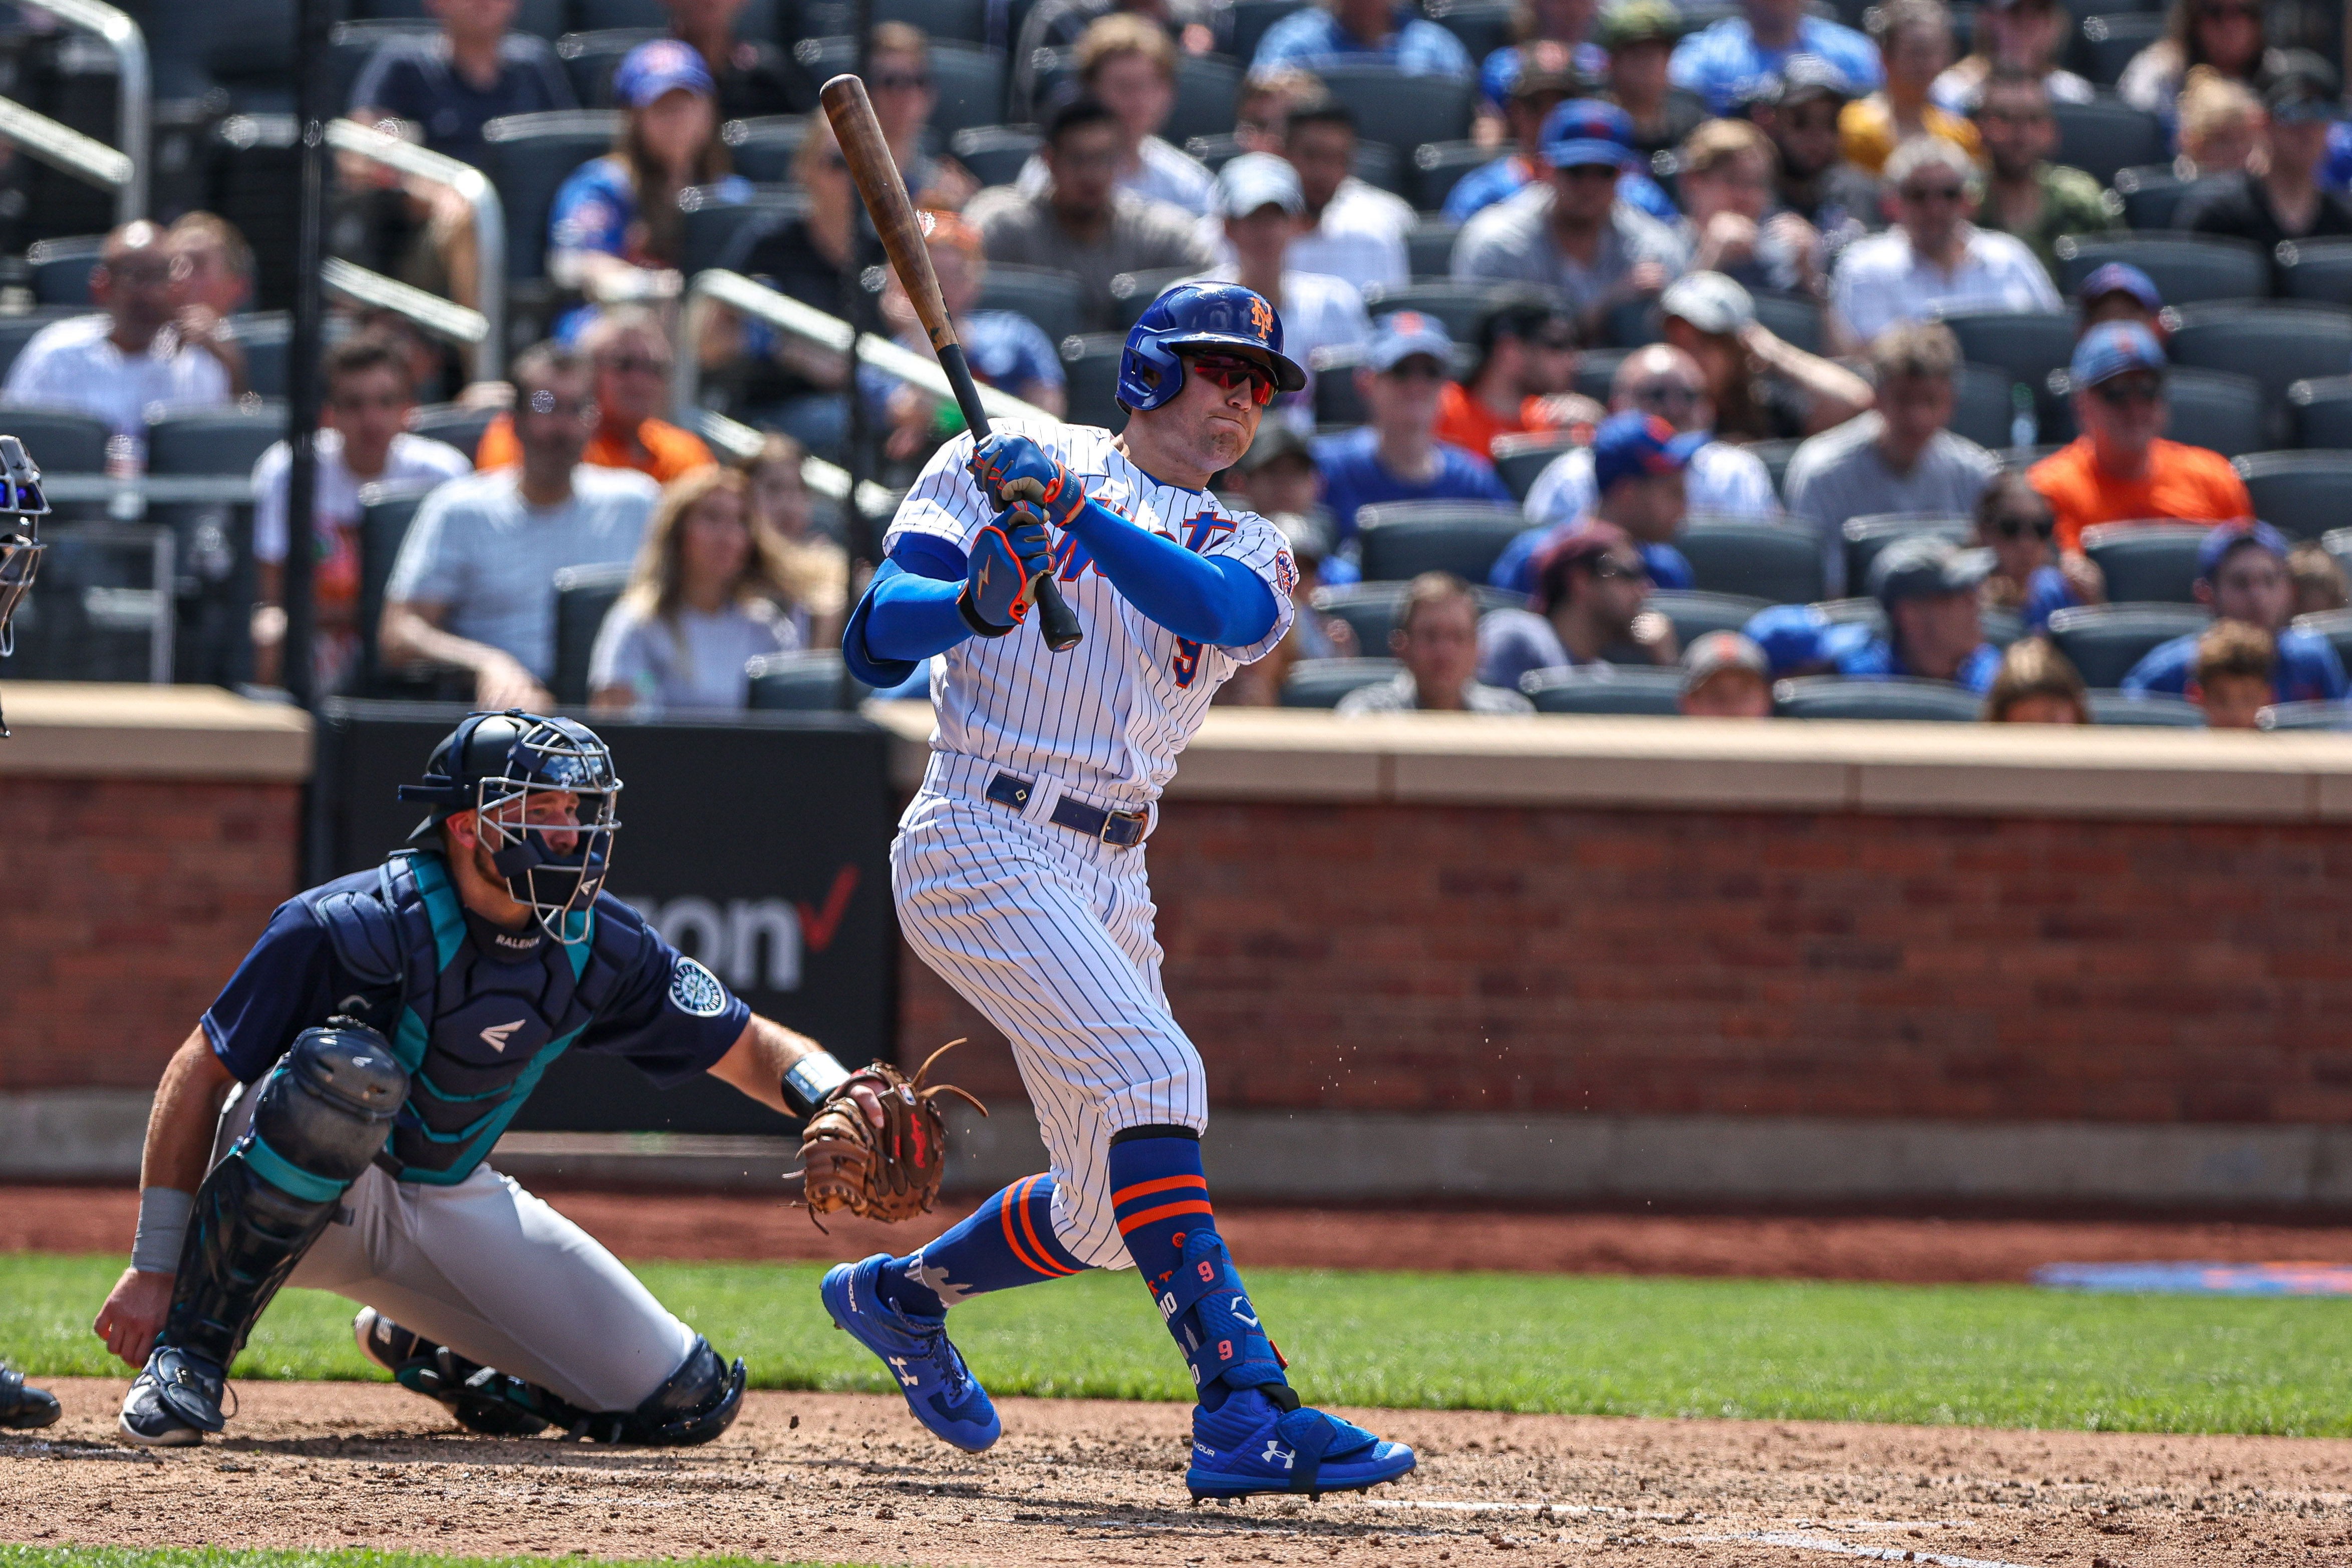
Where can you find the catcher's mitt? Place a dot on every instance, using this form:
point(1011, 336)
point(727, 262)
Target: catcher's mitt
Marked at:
point(888, 1173)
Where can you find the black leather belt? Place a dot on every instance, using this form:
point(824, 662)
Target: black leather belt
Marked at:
point(1119, 829)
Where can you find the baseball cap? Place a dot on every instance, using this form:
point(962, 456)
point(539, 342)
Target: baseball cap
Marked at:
point(1579, 547)
point(1585, 130)
point(1640, 22)
point(1709, 301)
point(1716, 652)
point(1257, 180)
point(2114, 349)
point(2228, 537)
point(2122, 277)
point(1397, 338)
point(2304, 88)
point(1802, 75)
point(663, 65)
point(1539, 67)
point(1923, 566)
point(1633, 445)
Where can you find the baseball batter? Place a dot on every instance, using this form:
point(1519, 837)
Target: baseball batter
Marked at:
point(1018, 869)
point(382, 1034)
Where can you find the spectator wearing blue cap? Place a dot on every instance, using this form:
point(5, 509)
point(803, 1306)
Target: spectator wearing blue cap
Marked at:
point(2242, 576)
point(1534, 92)
point(2121, 470)
point(1928, 592)
point(451, 83)
point(2028, 195)
point(1361, 32)
point(1589, 588)
point(1552, 35)
point(1572, 231)
point(1265, 213)
point(1725, 62)
point(2119, 291)
point(1638, 464)
point(1396, 456)
point(617, 217)
point(1934, 259)
point(1722, 480)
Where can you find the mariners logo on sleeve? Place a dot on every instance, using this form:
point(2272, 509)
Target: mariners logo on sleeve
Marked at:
point(696, 991)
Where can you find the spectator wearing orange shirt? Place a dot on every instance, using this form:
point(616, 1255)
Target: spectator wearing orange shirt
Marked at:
point(2121, 470)
point(1526, 367)
point(632, 358)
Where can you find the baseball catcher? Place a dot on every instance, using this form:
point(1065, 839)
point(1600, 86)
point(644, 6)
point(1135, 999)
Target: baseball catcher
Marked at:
point(373, 1047)
point(21, 501)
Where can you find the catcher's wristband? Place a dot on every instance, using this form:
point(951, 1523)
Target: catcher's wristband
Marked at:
point(812, 1081)
point(162, 1226)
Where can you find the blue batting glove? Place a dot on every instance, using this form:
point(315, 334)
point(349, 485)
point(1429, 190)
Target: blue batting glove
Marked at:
point(1009, 554)
point(1014, 468)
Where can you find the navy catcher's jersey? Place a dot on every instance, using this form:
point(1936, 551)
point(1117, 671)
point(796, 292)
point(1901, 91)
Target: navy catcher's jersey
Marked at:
point(471, 1064)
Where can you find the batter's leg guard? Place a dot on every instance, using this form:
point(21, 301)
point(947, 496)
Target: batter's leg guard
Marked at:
point(23, 1408)
point(320, 1117)
point(1250, 1433)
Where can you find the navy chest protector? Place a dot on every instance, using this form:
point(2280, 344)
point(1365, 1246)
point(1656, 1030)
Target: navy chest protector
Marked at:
point(476, 1032)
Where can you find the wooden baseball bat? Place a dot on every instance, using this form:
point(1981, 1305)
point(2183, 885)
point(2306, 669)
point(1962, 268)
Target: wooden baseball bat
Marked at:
point(885, 190)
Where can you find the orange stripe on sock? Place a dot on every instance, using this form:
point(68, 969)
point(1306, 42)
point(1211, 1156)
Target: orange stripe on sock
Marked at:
point(1165, 1211)
point(1165, 1183)
point(1048, 1266)
point(1017, 1199)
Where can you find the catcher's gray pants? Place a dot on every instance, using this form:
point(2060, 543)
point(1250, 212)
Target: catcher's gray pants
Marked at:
point(498, 1276)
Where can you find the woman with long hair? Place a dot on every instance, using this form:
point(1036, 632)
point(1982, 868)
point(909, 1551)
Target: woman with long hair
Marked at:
point(1915, 38)
point(2225, 35)
point(705, 596)
point(617, 217)
point(814, 569)
point(2029, 35)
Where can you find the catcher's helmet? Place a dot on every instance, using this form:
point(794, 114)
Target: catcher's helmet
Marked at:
point(1198, 315)
point(20, 552)
point(492, 764)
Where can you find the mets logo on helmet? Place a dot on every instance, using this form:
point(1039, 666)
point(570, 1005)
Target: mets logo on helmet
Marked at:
point(1261, 318)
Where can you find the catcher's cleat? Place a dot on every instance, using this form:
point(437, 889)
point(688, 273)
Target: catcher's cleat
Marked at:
point(174, 1401)
point(23, 1408)
point(1250, 1446)
point(939, 1389)
point(477, 1397)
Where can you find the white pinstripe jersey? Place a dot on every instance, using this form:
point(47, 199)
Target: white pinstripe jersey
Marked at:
point(1109, 718)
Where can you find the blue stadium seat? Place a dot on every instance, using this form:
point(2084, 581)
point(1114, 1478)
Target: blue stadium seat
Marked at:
point(1405, 539)
point(1518, 459)
point(1090, 373)
point(1458, 305)
point(1865, 537)
point(591, 58)
point(549, 19)
point(761, 149)
point(1793, 320)
point(1694, 613)
point(61, 268)
point(60, 440)
point(1321, 683)
point(1336, 401)
point(1208, 96)
point(1773, 455)
point(1776, 562)
point(2219, 410)
point(1985, 408)
point(996, 153)
point(2336, 625)
point(709, 225)
point(455, 424)
point(2323, 411)
point(2024, 345)
point(2105, 45)
point(1841, 697)
point(2319, 271)
point(583, 596)
point(1370, 608)
point(2108, 134)
point(1055, 300)
point(2187, 270)
point(213, 440)
point(386, 513)
point(1483, 26)
point(1604, 689)
point(2303, 494)
point(2103, 642)
point(2274, 343)
point(2153, 711)
point(2147, 563)
point(1402, 111)
point(2150, 196)
point(757, 20)
point(1438, 167)
point(1429, 249)
point(814, 679)
point(1133, 292)
point(527, 157)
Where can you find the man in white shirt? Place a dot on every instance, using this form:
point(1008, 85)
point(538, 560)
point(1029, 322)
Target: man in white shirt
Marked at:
point(128, 364)
point(1265, 212)
point(1128, 62)
point(1934, 259)
point(368, 400)
point(1355, 231)
point(473, 586)
point(1722, 480)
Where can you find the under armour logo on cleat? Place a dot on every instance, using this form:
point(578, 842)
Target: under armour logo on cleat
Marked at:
point(495, 1037)
point(1276, 1454)
point(899, 1365)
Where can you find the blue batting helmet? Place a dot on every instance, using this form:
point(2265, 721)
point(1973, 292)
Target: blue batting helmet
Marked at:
point(1197, 315)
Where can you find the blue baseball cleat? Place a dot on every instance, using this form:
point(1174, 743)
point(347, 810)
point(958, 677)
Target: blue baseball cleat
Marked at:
point(939, 1389)
point(1250, 1446)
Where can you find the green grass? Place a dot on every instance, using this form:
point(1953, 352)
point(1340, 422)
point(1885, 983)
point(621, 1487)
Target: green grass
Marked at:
point(237, 1557)
point(1969, 1355)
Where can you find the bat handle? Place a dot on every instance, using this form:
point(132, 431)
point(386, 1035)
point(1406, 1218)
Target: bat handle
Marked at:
point(1056, 621)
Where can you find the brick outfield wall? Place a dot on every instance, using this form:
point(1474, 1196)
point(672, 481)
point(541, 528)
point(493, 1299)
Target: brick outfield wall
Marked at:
point(123, 905)
point(1650, 963)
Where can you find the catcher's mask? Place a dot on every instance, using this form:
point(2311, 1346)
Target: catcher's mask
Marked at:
point(510, 770)
point(20, 550)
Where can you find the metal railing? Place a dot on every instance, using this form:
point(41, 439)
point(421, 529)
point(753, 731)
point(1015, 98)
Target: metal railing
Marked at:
point(739, 442)
point(121, 169)
point(713, 287)
point(482, 198)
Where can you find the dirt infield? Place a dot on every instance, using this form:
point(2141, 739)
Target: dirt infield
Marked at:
point(851, 1477)
point(1920, 1252)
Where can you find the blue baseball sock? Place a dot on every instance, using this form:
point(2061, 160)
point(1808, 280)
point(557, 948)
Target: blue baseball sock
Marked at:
point(1160, 1191)
point(1008, 1241)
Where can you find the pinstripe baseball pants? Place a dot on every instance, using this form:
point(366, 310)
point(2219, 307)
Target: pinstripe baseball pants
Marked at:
point(1048, 933)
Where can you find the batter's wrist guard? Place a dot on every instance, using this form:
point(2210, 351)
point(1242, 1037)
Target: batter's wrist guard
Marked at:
point(813, 1080)
point(971, 618)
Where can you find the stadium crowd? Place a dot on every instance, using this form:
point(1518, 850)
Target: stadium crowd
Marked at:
point(1718, 362)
